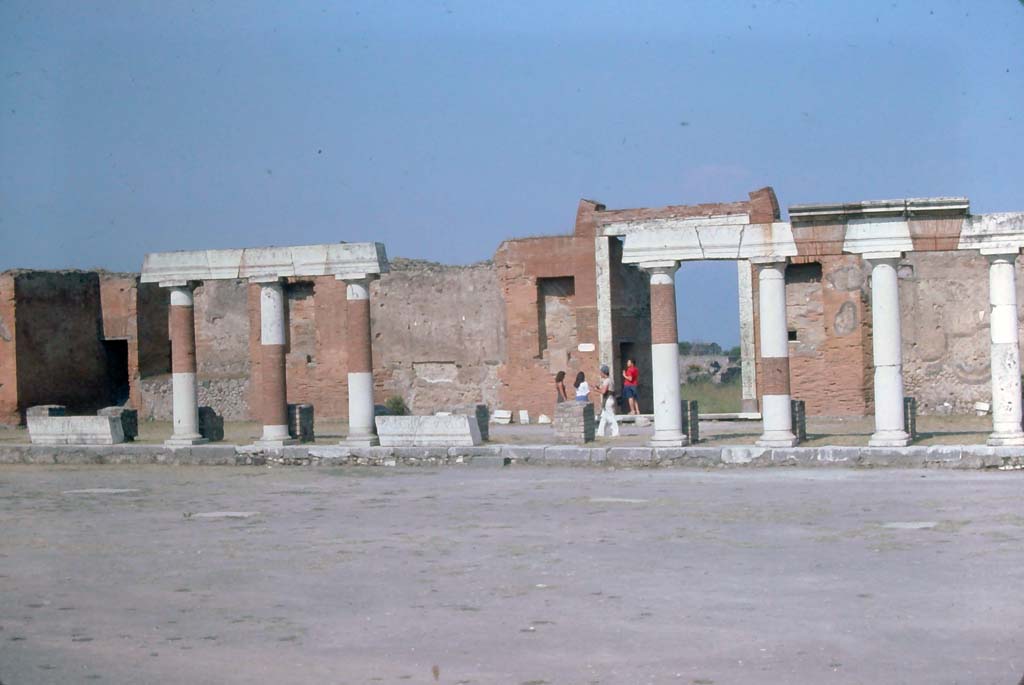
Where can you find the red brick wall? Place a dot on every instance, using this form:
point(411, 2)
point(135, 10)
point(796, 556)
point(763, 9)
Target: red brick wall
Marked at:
point(830, 363)
point(119, 304)
point(527, 378)
point(9, 414)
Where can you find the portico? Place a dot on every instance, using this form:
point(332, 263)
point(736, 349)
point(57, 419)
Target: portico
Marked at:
point(355, 263)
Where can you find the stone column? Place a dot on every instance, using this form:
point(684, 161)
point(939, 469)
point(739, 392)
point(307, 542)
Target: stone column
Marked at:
point(748, 351)
point(273, 390)
point(776, 417)
point(668, 411)
point(1003, 326)
point(888, 355)
point(181, 322)
point(362, 430)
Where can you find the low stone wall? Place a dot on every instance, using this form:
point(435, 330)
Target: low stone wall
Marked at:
point(944, 456)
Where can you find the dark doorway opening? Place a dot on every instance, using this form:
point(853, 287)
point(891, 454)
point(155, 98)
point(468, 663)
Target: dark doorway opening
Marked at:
point(118, 380)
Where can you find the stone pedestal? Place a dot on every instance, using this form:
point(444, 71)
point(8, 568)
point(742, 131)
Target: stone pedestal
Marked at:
point(181, 322)
point(1005, 350)
point(668, 416)
point(574, 422)
point(691, 420)
point(483, 420)
point(361, 428)
point(886, 345)
point(776, 412)
point(211, 424)
point(300, 422)
point(799, 414)
point(129, 420)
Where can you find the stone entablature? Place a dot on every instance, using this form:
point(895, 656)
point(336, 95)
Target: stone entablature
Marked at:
point(880, 232)
point(355, 263)
point(344, 261)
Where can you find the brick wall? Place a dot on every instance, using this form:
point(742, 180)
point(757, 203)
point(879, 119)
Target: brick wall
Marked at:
point(9, 414)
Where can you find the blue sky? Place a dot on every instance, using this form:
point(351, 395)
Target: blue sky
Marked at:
point(443, 128)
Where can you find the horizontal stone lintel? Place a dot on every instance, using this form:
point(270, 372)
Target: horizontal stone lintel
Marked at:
point(341, 260)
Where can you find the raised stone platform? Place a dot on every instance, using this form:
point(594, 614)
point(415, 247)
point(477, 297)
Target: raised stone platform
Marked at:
point(945, 456)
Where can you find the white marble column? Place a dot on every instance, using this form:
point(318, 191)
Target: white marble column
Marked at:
point(181, 325)
point(888, 355)
point(273, 390)
point(668, 410)
point(776, 412)
point(748, 351)
point(362, 429)
point(1003, 326)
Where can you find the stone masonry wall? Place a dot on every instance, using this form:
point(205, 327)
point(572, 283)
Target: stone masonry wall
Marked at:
point(945, 315)
point(438, 335)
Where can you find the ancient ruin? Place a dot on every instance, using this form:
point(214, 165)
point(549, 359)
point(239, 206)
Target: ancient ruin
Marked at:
point(847, 307)
point(356, 264)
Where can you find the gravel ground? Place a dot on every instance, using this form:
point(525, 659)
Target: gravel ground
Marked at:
point(516, 575)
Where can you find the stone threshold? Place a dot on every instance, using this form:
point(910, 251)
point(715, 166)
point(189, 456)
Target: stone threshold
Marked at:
point(937, 456)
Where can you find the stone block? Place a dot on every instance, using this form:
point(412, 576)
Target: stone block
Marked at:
point(566, 456)
point(129, 420)
point(743, 455)
point(530, 454)
point(574, 422)
point(910, 417)
point(75, 430)
point(798, 412)
point(489, 461)
point(524, 417)
point(483, 451)
point(502, 416)
point(300, 422)
point(483, 421)
point(211, 424)
point(544, 419)
point(428, 431)
point(46, 410)
point(630, 456)
point(691, 420)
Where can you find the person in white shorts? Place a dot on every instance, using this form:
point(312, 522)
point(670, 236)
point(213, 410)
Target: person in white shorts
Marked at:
point(606, 389)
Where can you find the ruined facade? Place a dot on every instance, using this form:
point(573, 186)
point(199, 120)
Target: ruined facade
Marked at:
point(448, 337)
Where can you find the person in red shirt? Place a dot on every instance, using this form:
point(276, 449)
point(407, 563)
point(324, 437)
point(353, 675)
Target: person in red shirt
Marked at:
point(630, 380)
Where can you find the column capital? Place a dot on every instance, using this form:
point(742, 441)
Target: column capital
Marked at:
point(882, 257)
point(668, 267)
point(770, 261)
point(350, 278)
point(190, 285)
point(270, 279)
point(1002, 255)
